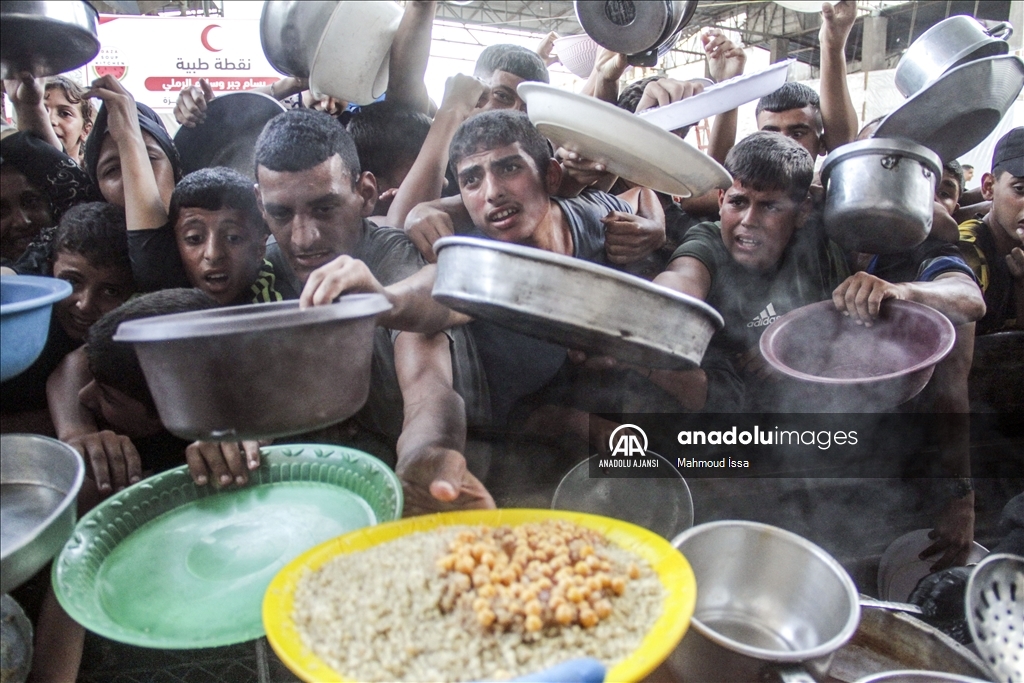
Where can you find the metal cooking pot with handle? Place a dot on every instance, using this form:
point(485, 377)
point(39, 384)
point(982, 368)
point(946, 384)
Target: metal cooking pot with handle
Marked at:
point(46, 38)
point(879, 194)
point(770, 605)
point(951, 42)
point(290, 33)
point(641, 30)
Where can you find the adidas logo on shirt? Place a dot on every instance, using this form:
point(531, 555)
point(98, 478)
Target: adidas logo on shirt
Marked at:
point(765, 318)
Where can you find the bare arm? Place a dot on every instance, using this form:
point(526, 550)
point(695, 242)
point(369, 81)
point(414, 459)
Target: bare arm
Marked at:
point(409, 54)
point(725, 60)
point(144, 208)
point(431, 464)
point(425, 179)
point(430, 221)
point(955, 295)
point(603, 82)
point(944, 227)
point(413, 307)
point(837, 112)
point(26, 95)
point(70, 418)
point(687, 275)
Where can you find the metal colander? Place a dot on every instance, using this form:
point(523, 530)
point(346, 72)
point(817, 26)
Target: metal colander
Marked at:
point(995, 615)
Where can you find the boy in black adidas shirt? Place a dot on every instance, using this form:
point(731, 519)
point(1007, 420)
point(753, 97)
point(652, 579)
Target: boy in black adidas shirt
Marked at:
point(767, 256)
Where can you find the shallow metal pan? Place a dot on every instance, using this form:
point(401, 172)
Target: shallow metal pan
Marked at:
point(573, 302)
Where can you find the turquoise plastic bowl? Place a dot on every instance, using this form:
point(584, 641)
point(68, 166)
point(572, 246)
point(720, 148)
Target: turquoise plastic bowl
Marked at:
point(25, 305)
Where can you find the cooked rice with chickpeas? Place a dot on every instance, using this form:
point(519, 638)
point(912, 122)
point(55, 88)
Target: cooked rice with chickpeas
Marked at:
point(477, 603)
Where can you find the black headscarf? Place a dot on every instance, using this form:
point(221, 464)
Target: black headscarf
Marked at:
point(150, 123)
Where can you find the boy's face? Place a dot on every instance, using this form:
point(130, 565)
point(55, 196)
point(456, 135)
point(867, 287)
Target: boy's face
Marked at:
point(315, 215)
point(66, 119)
point(948, 192)
point(23, 211)
point(124, 414)
point(1006, 193)
point(504, 193)
point(221, 250)
point(503, 93)
point(95, 291)
point(800, 125)
point(757, 226)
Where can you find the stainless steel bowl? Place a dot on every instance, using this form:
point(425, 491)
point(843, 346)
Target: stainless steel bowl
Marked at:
point(290, 33)
point(767, 599)
point(39, 482)
point(879, 194)
point(918, 677)
point(257, 371)
point(949, 43)
point(46, 38)
point(642, 30)
point(572, 302)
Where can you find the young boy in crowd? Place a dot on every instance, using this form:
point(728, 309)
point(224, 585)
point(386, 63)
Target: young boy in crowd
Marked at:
point(992, 245)
point(763, 259)
point(89, 251)
point(71, 114)
point(215, 240)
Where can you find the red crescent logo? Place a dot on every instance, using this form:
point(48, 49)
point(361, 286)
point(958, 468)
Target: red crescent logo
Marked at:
point(206, 37)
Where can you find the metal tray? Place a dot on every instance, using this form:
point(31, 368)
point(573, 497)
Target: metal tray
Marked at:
point(38, 487)
point(574, 303)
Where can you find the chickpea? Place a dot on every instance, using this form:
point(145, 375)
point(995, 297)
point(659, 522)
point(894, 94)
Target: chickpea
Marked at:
point(486, 617)
point(582, 568)
point(533, 623)
point(618, 585)
point(603, 609)
point(565, 614)
point(574, 594)
point(533, 608)
point(587, 617)
point(487, 591)
point(465, 564)
point(633, 571)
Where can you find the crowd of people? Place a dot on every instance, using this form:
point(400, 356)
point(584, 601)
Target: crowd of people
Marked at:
point(352, 199)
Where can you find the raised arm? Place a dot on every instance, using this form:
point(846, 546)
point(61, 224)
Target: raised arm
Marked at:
point(431, 464)
point(837, 112)
point(409, 54)
point(27, 95)
point(603, 82)
point(955, 295)
point(144, 208)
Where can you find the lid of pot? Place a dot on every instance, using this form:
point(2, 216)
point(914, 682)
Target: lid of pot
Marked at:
point(623, 25)
point(882, 147)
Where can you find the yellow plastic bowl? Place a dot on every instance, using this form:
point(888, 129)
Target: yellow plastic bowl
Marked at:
point(671, 567)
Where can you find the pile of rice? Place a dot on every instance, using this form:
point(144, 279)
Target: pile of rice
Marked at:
point(375, 616)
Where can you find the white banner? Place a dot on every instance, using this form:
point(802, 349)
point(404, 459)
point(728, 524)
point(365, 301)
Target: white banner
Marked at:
point(155, 57)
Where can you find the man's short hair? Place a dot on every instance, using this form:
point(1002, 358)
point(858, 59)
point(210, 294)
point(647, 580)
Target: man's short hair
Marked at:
point(96, 231)
point(114, 363)
point(954, 168)
point(214, 189)
point(766, 162)
point(514, 59)
point(498, 128)
point(967, 167)
point(791, 95)
point(300, 139)
point(387, 135)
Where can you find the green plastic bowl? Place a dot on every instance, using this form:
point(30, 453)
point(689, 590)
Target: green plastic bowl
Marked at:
point(168, 564)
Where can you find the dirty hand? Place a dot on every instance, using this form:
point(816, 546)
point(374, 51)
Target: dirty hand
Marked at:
point(331, 280)
point(666, 91)
point(610, 65)
point(223, 461)
point(190, 109)
point(629, 238)
point(1015, 259)
point(753, 363)
point(544, 49)
point(25, 90)
point(425, 225)
point(953, 534)
point(583, 171)
point(112, 458)
point(436, 480)
point(122, 114)
point(725, 59)
point(463, 94)
point(861, 295)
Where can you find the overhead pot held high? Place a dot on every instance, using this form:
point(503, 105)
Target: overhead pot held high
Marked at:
point(641, 30)
point(46, 38)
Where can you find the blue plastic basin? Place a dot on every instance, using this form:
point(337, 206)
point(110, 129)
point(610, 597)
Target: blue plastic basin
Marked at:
point(25, 305)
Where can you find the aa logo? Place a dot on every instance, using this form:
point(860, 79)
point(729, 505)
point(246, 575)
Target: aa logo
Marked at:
point(627, 442)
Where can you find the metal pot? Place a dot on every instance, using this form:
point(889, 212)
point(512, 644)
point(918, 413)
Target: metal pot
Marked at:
point(910, 676)
point(949, 43)
point(40, 482)
point(46, 38)
point(572, 302)
point(290, 33)
point(257, 371)
point(880, 194)
point(769, 604)
point(641, 30)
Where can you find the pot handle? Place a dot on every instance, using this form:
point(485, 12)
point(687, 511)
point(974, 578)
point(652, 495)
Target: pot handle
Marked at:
point(793, 674)
point(1002, 30)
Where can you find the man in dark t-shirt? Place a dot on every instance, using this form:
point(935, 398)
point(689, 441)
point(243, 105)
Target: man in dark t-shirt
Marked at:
point(315, 199)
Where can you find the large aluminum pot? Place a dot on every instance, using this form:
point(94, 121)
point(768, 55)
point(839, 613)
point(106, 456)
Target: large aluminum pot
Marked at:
point(39, 482)
point(641, 30)
point(46, 38)
point(949, 43)
point(572, 302)
point(879, 194)
point(769, 604)
point(290, 33)
point(911, 676)
point(257, 371)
